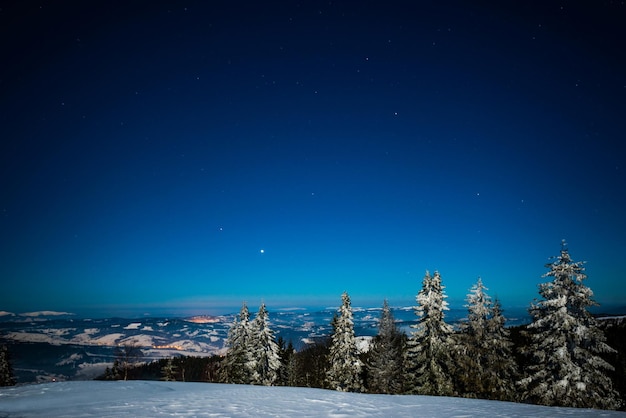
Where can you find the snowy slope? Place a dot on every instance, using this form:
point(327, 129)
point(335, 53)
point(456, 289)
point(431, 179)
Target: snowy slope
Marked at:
point(150, 399)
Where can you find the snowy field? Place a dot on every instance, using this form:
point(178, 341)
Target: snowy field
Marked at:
point(152, 399)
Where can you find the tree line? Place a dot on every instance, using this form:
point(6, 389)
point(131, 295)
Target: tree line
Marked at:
point(560, 359)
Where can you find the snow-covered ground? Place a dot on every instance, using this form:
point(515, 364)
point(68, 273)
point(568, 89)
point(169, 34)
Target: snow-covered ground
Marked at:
point(151, 399)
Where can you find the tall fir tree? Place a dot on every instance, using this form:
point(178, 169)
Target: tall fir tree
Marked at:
point(7, 378)
point(286, 352)
point(344, 373)
point(485, 367)
point(264, 350)
point(385, 357)
point(472, 345)
point(502, 370)
point(238, 364)
point(566, 344)
point(428, 362)
point(291, 365)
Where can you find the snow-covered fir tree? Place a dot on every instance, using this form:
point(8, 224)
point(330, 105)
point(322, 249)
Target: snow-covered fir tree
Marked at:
point(486, 367)
point(264, 350)
point(7, 378)
point(566, 344)
point(385, 357)
point(472, 345)
point(478, 307)
point(238, 363)
point(344, 373)
point(428, 362)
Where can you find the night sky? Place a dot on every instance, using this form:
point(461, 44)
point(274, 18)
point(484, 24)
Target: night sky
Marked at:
point(187, 156)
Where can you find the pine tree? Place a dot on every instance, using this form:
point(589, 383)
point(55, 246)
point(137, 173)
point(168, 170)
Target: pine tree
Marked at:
point(114, 372)
point(7, 378)
point(238, 364)
point(384, 367)
point(485, 366)
point(286, 353)
point(344, 373)
point(168, 371)
point(566, 368)
point(473, 348)
point(264, 350)
point(502, 370)
point(429, 365)
point(292, 367)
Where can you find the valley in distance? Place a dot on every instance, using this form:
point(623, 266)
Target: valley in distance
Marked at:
point(56, 346)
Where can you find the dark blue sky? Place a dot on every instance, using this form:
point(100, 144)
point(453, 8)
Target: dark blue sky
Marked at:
point(187, 156)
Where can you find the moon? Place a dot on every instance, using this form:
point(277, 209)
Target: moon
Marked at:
point(262, 251)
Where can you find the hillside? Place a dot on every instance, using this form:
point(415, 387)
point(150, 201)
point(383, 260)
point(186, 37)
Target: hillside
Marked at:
point(152, 399)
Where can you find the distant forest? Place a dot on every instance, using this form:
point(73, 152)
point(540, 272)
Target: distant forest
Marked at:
point(564, 357)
